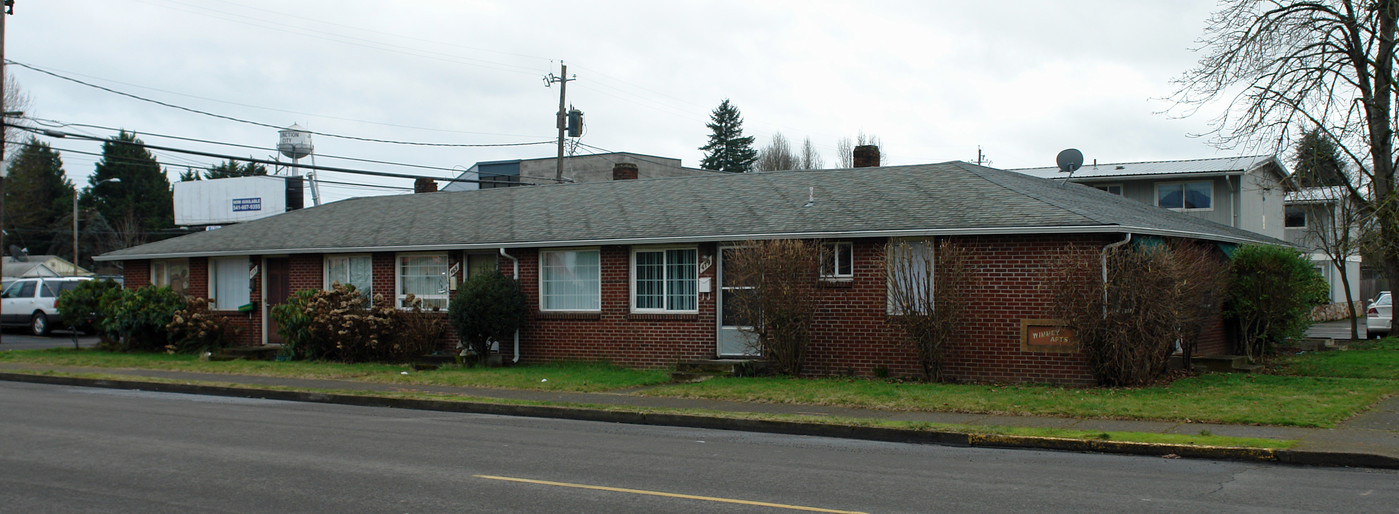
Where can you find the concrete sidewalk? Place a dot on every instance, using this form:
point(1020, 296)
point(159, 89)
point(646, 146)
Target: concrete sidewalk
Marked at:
point(1368, 440)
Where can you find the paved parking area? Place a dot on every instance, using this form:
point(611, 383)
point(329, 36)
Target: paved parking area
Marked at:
point(1335, 329)
point(16, 340)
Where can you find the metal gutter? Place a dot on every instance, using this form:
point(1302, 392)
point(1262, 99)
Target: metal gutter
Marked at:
point(1088, 229)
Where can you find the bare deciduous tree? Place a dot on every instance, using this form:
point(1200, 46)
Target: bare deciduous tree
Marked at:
point(783, 274)
point(777, 155)
point(1328, 64)
point(846, 148)
point(810, 158)
point(929, 289)
point(15, 101)
point(1129, 324)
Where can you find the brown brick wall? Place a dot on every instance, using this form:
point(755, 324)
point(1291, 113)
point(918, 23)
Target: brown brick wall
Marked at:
point(615, 334)
point(852, 335)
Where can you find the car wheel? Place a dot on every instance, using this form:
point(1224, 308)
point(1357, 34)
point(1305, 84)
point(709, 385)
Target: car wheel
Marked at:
point(39, 324)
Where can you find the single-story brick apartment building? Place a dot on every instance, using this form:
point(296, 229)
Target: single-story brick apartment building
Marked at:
point(631, 271)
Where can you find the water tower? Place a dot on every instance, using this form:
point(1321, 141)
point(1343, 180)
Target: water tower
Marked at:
point(294, 142)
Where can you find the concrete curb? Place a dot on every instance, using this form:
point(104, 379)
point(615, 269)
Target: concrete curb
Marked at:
point(886, 434)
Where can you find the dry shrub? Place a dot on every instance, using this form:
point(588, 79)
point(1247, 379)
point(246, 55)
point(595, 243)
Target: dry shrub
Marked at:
point(1128, 326)
point(929, 297)
point(340, 324)
point(783, 274)
point(194, 329)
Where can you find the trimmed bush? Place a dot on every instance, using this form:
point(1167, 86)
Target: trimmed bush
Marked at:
point(84, 306)
point(1272, 295)
point(137, 318)
point(488, 307)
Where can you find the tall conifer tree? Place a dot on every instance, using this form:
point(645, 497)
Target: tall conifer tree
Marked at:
point(37, 195)
point(141, 205)
point(1318, 161)
point(728, 149)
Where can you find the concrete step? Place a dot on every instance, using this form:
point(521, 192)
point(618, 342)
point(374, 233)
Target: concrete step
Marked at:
point(1220, 363)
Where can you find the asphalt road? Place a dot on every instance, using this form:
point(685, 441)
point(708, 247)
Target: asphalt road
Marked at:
point(74, 449)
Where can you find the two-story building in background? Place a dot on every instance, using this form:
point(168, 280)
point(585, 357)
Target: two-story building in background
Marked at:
point(1253, 193)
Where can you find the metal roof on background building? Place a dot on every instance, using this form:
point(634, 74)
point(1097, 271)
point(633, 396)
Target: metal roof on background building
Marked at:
point(1216, 166)
point(952, 198)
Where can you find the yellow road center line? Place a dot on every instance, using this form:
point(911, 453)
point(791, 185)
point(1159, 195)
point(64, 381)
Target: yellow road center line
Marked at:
point(668, 495)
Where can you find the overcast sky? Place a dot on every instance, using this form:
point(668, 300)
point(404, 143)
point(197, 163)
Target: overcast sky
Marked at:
point(934, 80)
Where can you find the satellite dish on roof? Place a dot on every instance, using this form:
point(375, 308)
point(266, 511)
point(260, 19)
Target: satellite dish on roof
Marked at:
point(19, 254)
point(1069, 160)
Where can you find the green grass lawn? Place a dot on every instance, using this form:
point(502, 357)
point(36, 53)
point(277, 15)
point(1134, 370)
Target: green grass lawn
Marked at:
point(570, 376)
point(1312, 389)
point(1213, 398)
point(1367, 359)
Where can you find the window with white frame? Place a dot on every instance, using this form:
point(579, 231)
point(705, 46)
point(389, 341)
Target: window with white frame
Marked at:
point(910, 278)
point(1294, 216)
point(173, 274)
point(837, 260)
point(1185, 195)
point(229, 283)
point(665, 280)
point(350, 270)
point(424, 276)
point(569, 280)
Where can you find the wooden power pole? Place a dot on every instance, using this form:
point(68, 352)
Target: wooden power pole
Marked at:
point(562, 120)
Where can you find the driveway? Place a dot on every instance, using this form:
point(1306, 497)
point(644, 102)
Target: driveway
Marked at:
point(1335, 329)
point(16, 340)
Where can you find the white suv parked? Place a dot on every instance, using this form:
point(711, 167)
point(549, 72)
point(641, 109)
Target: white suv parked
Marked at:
point(30, 302)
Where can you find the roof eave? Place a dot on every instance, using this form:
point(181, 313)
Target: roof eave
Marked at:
point(979, 231)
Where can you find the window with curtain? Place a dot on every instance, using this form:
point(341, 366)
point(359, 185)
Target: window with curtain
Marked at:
point(477, 263)
point(1185, 195)
point(665, 280)
point(229, 283)
point(351, 270)
point(909, 282)
point(423, 276)
point(171, 273)
point(569, 280)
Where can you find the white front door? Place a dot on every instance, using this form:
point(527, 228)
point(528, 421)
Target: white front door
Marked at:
point(734, 338)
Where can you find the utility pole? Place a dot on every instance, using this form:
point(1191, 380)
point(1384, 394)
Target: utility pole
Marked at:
point(7, 9)
point(562, 120)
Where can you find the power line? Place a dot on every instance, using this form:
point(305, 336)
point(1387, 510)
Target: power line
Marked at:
point(56, 123)
point(267, 125)
point(54, 133)
point(643, 158)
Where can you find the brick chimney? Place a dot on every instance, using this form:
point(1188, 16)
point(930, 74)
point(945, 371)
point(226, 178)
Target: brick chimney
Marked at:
point(624, 171)
point(867, 156)
point(424, 185)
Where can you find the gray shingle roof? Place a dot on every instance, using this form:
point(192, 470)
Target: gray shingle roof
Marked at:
point(932, 199)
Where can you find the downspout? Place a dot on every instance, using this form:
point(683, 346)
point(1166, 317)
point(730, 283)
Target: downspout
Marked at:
point(1234, 215)
point(1105, 268)
point(516, 275)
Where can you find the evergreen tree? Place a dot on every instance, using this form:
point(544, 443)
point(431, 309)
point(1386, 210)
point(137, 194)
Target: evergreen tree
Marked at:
point(1318, 161)
point(728, 150)
point(138, 207)
point(36, 195)
point(231, 168)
